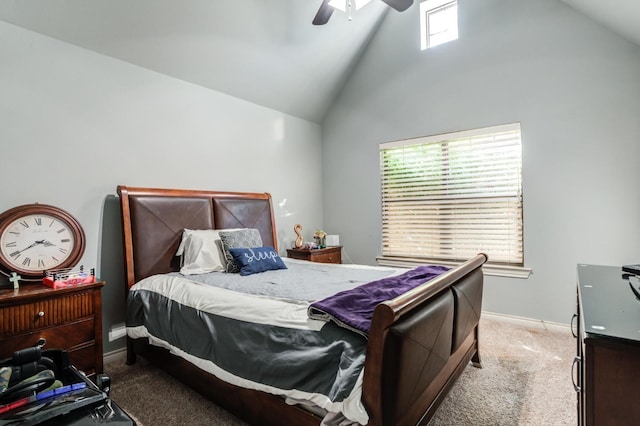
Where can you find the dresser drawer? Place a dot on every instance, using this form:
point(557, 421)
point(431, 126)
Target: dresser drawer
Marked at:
point(333, 257)
point(325, 255)
point(45, 313)
point(84, 358)
point(62, 337)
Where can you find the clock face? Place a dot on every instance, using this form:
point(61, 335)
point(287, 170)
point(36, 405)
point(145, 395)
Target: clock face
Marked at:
point(39, 238)
point(37, 242)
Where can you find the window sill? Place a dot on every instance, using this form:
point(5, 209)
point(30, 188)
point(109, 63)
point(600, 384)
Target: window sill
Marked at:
point(487, 269)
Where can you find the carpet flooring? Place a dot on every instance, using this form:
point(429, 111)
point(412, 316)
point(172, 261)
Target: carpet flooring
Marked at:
point(525, 380)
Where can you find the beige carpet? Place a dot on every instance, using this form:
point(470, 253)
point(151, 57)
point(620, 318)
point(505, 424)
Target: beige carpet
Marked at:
point(525, 380)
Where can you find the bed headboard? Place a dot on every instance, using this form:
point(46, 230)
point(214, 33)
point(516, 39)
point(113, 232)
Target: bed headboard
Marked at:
point(153, 220)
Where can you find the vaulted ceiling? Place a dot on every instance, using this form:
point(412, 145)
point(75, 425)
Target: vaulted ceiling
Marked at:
point(264, 51)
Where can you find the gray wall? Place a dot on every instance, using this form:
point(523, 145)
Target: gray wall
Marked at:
point(75, 124)
point(574, 87)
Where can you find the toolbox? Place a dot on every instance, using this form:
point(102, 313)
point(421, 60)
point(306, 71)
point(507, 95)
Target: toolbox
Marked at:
point(38, 386)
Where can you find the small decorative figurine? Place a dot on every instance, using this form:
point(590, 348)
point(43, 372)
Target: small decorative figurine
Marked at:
point(299, 240)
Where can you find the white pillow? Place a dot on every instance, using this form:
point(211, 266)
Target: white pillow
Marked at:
point(201, 251)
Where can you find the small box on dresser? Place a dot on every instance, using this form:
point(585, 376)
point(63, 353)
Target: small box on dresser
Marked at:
point(323, 255)
point(67, 318)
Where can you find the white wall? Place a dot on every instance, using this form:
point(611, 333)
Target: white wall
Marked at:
point(75, 124)
point(574, 87)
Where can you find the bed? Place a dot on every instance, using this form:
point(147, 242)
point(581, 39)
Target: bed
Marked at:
point(416, 346)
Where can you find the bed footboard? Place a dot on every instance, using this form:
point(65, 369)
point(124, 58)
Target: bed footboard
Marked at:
point(419, 343)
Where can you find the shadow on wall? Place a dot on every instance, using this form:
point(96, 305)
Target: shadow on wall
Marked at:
point(111, 261)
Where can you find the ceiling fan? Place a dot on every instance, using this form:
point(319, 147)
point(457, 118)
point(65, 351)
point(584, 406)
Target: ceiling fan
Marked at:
point(325, 11)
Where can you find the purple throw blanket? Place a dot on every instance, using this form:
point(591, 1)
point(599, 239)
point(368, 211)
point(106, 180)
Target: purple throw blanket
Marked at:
point(353, 309)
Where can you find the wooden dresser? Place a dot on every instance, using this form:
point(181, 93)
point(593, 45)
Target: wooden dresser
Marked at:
point(607, 366)
point(68, 318)
point(325, 255)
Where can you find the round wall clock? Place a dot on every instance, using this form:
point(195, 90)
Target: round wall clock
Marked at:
point(36, 237)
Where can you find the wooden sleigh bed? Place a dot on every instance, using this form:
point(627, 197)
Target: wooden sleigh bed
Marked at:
point(418, 345)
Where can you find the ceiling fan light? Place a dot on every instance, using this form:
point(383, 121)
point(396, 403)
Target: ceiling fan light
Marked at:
point(342, 4)
point(361, 3)
point(338, 4)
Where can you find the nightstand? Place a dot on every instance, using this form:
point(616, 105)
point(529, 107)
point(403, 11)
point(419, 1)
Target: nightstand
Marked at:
point(67, 318)
point(325, 255)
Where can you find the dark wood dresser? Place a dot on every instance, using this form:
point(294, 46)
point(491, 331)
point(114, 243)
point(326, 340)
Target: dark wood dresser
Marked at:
point(607, 366)
point(68, 318)
point(325, 255)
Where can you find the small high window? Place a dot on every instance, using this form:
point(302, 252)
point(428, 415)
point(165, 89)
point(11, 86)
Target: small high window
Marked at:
point(438, 22)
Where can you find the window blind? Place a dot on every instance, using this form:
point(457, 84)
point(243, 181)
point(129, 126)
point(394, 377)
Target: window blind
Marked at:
point(450, 197)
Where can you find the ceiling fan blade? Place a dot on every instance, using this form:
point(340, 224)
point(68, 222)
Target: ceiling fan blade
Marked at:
point(399, 5)
point(324, 13)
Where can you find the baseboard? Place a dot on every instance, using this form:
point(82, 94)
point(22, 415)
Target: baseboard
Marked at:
point(528, 322)
point(115, 356)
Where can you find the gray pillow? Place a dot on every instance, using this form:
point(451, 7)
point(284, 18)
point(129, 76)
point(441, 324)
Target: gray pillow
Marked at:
point(242, 238)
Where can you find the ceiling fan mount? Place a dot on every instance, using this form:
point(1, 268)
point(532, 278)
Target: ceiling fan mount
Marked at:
point(325, 11)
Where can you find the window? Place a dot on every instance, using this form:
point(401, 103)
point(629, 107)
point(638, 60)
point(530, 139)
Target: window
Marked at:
point(438, 22)
point(449, 197)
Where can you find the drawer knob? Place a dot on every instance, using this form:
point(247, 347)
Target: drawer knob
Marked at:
point(40, 314)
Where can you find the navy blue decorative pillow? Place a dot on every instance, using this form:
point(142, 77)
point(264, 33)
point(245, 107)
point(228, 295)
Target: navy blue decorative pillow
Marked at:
point(258, 259)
